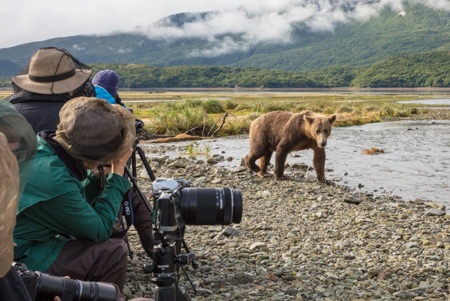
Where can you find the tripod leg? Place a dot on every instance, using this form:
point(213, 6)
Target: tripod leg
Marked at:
point(146, 164)
point(130, 251)
point(142, 215)
point(143, 222)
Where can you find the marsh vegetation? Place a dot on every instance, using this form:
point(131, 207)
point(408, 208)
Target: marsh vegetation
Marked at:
point(204, 113)
point(224, 113)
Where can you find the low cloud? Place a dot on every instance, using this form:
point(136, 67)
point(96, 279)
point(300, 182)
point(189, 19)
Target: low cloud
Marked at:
point(260, 21)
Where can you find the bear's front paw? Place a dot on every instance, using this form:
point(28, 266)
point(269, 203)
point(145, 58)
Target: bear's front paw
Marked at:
point(263, 174)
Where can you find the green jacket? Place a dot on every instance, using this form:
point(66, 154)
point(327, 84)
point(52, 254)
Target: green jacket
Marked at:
point(56, 207)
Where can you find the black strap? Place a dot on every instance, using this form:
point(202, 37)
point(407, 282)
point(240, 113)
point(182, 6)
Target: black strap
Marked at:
point(54, 78)
point(127, 212)
point(128, 209)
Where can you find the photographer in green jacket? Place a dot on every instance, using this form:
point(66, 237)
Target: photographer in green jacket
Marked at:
point(65, 219)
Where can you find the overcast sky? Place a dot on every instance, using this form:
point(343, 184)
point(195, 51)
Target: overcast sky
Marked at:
point(23, 21)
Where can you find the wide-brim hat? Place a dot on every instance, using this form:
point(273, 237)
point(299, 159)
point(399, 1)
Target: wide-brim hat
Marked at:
point(52, 71)
point(94, 131)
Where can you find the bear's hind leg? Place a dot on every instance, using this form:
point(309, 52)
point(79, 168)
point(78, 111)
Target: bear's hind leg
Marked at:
point(264, 163)
point(250, 162)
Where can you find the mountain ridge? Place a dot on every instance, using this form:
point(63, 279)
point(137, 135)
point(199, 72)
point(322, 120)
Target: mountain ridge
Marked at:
point(356, 43)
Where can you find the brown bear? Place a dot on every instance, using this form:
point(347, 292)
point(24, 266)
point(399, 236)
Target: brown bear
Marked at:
point(283, 132)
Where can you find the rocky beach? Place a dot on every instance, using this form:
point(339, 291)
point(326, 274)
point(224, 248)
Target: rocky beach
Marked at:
point(302, 240)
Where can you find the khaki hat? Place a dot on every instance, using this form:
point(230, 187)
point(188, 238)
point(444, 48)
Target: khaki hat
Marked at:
point(92, 130)
point(52, 71)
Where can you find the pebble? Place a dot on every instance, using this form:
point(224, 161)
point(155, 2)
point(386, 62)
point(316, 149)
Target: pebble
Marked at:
point(302, 240)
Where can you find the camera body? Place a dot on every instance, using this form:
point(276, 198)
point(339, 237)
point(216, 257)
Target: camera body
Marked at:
point(44, 287)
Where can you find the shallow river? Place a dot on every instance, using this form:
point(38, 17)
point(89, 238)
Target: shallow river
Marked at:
point(415, 162)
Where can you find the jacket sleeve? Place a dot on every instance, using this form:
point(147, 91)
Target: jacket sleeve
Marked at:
point(71, 214)
point(91, 186)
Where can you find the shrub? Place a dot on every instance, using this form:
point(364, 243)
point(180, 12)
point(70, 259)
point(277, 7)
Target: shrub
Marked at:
point(212, 106)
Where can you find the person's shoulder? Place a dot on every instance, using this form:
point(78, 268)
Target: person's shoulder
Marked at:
point(26, 97)
point(47, 178)
point(46, 160)
point(17, 96)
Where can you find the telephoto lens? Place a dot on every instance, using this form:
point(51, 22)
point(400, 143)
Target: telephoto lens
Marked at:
point(210, 206)
point(71, 289)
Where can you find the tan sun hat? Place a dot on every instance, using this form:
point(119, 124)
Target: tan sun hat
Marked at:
point(93, 130)
point(52, 71)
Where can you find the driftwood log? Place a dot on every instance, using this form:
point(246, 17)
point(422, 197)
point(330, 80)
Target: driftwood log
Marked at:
point(196, 133)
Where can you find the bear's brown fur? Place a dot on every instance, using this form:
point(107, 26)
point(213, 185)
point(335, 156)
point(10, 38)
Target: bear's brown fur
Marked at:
point(283, 132)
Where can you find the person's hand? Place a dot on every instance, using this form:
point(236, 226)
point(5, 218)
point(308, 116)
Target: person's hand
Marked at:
point(118, 166)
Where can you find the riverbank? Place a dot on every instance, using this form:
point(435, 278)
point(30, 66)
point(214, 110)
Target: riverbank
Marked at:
point(301, 240)
point(432, 114)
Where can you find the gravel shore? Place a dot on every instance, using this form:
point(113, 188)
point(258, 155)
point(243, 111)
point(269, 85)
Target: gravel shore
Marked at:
point(302, 240)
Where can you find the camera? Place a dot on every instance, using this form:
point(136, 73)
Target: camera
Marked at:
point(176, 205)
point(43, 287)
point(199, 205)
point(139, 125)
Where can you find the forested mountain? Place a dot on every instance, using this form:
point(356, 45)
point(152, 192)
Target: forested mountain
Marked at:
point(424, 70)
point(359, 48)
point(419, 70)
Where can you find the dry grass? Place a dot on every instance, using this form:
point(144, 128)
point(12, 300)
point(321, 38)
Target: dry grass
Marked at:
point(244, 106)
point(177, 111)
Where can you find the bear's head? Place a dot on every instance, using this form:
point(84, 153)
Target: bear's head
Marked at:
point(319, 128)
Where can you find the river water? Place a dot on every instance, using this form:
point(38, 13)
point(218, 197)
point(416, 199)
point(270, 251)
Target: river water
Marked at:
point(415, 162)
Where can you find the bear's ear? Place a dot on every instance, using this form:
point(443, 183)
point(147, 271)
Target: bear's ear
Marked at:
point(332, 119)
point(310, 120)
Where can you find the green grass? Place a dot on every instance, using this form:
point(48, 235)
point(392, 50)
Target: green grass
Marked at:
point(178, 113)
point(202, 113)
point(195, 150)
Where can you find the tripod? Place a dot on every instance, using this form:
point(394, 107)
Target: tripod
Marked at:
point(131, 172)
point(127, 211)
point(166, 253)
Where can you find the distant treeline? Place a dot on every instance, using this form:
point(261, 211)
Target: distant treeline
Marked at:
point(421, 70)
